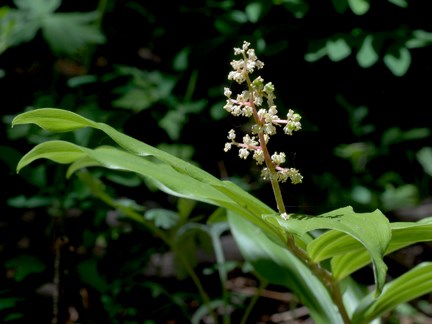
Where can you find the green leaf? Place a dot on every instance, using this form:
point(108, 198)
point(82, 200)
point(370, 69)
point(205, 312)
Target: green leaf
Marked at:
point(38, 7)
point(134, 99)
point(69, 32)
point(174, 176)
point(424, 156)
point(367, 56)
point(420, 38)
point(337, 49)
point(400, 3)
point(372, 230)
point(53, 120)
point(144, 89)
point(189, 239)
point(395, 135)
point(412, 284)
point(298, 8)
point(32, 202)
point(89, 274)
point(256, 10)
point(406, 195)
point(24, 265)
point(163, 218)
point(279, 266)
point(359, 7)
point(340, 5)
point(57, 151)
point(348, 255)
point(181, 60)
point(315, 56)
point(398, 61)
point(80, 80)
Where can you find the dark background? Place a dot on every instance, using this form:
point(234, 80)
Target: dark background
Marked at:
point(187, 46)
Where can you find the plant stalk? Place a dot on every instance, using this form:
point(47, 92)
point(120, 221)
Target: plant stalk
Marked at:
point(322, 274)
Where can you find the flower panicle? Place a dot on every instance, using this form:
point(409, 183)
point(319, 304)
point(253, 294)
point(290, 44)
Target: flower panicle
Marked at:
point(258, 102)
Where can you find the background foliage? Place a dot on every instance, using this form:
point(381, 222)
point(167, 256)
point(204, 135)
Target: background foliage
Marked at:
point(358, 71)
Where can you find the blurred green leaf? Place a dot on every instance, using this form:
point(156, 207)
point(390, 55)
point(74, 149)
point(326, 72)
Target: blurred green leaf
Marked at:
point(337, 49)
point(256, 10)
point(298, 8)
point(189, 240)
point(367, 56)
point(29, 202)
point(174, 121)
point(400, 3)
point(181, 60)
point(359, 7)
point(8, 302)
point(359, 154)
point(24, 265)
point(163, 218)
point(144, 89)
point(398, 61)
point(38, 7)
point(9, 23)
point(185, 208)
point(404, 196)
point(361, 195)
point(395, 135)
point(340, 5)
point(315, 56)
point(77, 26)
point(81, 80)
point(424, 156)
point(421, 38)
point(237, 16)
point(89, 274)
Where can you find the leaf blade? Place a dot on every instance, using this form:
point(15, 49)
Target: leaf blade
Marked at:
point(279, 266)
point(374, 238)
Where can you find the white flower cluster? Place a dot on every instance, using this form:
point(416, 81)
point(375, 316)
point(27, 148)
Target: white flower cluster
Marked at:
point(249, 103)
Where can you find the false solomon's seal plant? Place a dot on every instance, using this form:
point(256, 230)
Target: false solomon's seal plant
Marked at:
point(279, 245)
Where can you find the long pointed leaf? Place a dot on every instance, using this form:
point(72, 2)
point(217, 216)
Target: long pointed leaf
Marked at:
point(412, 284)
point(372, 230)
point(58, 120)
point(403, 234)
point(279, 266)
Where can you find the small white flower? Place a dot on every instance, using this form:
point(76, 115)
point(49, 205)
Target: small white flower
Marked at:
point(227, 147)
point(261, 113)
point(251, 54)
point(236, 111)
point(259, 64)
point(273, 111)
point(231, 134)
point(250, 141)
point(248, 111)
point(269, 129)
point(258, 100)
point(265, 174)
point(278, 158)
point(295, 176)
point(227, 92)
point(243, 153)
point(245, 46)
point(258, 156)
